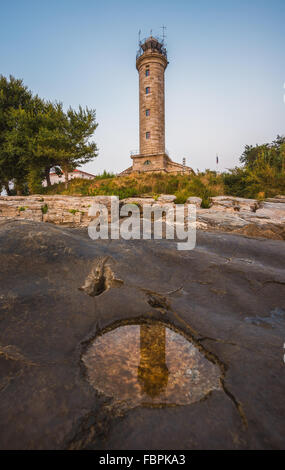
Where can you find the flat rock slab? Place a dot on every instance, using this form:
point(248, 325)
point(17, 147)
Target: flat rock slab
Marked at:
point(221, 219)
point(59, 290)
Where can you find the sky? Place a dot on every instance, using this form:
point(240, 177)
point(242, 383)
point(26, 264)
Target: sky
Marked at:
point(224, 82)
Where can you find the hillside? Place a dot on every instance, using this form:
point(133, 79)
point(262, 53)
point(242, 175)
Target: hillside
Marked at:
point(238, 182)
point(183, 186)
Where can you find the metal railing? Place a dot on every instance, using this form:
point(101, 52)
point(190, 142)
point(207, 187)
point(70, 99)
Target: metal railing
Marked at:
point(161, 47)
point(136, 153)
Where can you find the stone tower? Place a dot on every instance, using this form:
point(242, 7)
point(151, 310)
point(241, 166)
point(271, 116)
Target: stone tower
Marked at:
point(151, 62)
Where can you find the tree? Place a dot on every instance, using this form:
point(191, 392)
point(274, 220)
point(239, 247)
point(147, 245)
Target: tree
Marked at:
point(37, 135)
point(79, 149)
point(267, 154)
point(62, 139)
point(46, 141)
point(13, 96)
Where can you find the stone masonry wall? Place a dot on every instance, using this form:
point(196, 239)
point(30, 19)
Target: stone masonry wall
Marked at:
point(61, 210)
point(157, 162)
point(154, 101)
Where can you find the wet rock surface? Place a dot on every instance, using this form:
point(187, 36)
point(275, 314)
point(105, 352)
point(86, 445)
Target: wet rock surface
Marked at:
point(60, 292)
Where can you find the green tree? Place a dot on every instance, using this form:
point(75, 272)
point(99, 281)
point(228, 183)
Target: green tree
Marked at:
point(14, 95)
point(46, 139)
point(38, 135)
point(267, 154)
point(78, 146)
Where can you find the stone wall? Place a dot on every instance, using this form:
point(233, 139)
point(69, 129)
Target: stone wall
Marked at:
point(62, 210)
point(155, 163)
point(158, 163)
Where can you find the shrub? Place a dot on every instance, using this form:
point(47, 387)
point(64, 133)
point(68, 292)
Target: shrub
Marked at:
point(206, 202)
point(181, 196)
point(44, 208)
point(259, 182)
point(105, 175)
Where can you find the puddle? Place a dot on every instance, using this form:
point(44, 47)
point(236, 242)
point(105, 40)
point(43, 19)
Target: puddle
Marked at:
point(149, 364)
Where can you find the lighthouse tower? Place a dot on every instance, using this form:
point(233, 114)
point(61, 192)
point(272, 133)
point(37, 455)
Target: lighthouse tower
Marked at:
point(151, 62)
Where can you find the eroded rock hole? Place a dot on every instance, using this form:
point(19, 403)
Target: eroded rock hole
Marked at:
point(149, 364)
point(100, 278)
point(156, 301)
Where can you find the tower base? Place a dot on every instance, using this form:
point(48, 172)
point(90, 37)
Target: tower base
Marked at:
point(155, 163)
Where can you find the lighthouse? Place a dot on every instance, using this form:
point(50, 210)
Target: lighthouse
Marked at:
point(151, 63)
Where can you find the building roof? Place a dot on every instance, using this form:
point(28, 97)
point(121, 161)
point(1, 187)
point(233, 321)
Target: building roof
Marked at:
point(84, 172)
point(76, 171)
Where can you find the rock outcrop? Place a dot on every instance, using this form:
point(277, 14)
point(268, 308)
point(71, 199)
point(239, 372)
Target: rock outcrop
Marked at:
point(231, 214)
point(194, 200)
point(60, 291)
point(245, 216)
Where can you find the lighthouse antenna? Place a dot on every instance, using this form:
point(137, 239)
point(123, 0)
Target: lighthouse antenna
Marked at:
point(163, 33)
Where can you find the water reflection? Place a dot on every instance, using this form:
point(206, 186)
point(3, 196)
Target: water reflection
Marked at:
point(152, 372)
point(149, 363)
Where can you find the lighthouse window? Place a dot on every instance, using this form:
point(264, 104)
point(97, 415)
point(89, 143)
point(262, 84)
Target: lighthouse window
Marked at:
point(147, 135)
point(147, 162)
point(147, 90)
point(147, 112)
point(147, 73)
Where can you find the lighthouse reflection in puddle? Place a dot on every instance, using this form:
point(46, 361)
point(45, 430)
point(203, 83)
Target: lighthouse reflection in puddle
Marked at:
point(153, 372)
point(149, 364)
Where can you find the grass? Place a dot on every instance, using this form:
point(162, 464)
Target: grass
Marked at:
point(73, 211)
point(237, 182)
point(203, 185)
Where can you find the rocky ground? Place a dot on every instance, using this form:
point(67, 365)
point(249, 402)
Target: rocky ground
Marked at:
point(251, 217)
point(58, 292)
point(246, 216)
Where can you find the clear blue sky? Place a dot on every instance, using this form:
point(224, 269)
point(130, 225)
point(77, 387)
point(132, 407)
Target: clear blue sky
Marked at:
point(224, 82)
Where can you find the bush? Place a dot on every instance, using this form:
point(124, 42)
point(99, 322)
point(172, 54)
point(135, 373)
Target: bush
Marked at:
point(105, 175)
point(181, 196)
point(44, 208)
point(206, 202)
point(260, 182)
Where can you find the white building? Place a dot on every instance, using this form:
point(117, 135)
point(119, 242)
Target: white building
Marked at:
point(54, 178)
